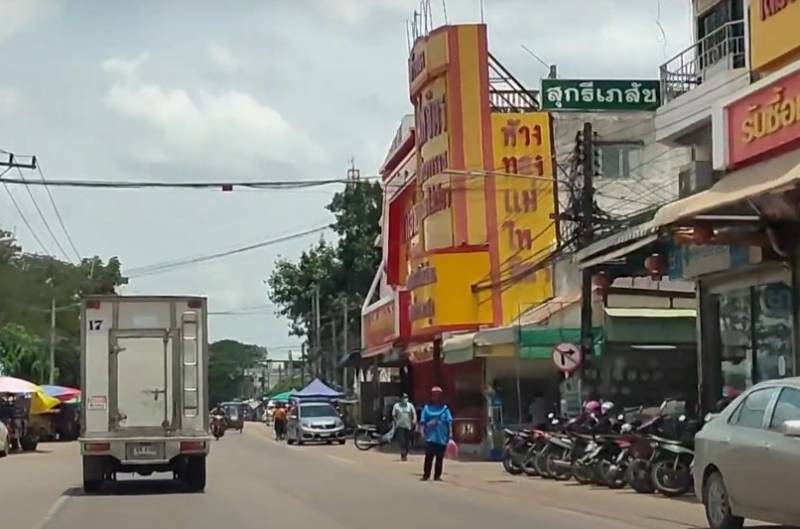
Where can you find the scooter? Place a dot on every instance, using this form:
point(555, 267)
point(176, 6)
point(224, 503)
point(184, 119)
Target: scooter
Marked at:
point(218, 426)
point(519, 451)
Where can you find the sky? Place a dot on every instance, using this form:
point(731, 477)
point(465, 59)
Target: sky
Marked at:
point(201, 90)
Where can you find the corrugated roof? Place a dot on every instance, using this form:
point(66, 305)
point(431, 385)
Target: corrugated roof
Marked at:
point(650, 313)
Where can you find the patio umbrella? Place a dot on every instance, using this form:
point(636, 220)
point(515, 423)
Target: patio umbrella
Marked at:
point(62, 393)
point(40, 401)
point(17, 385)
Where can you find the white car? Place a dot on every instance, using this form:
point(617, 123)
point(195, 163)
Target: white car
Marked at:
point(5, 442)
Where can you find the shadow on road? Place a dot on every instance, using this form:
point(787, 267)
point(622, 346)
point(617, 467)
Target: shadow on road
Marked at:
point(18, 453)
point(134, 487)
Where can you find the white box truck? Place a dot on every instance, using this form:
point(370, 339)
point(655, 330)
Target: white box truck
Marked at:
point(144, 371)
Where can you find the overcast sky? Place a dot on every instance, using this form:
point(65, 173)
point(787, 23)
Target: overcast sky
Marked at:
point(250, 90)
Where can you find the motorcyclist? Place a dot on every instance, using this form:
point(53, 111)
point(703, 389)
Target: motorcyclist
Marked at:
point(219, 410)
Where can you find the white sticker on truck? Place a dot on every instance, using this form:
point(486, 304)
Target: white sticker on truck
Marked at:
point(97, 402)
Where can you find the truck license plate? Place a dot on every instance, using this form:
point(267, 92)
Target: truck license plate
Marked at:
point(145, 451)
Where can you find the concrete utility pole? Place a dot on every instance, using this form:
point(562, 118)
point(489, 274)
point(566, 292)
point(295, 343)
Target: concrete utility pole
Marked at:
point(317, 325)
point(345, 327)
point(303, 364)
point(52, 378)
point(587, 235)
point(331, 363)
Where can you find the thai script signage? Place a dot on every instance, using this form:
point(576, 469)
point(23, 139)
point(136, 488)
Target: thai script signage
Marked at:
point(613, 95)
point(773, 33)
point(525, 206)
point(764, 121)
point(379, 323)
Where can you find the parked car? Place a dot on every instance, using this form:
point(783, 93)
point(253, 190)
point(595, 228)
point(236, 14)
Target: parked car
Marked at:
point(5, 440)
point(747, 458)
point(315, 421)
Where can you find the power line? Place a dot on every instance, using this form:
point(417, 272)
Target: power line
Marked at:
point(159, 268)
point(22, 215)
point(41, 216)
point(58, 214)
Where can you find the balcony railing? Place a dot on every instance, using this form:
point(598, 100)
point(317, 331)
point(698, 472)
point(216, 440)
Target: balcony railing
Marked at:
point(723, 49)
point(513, 100)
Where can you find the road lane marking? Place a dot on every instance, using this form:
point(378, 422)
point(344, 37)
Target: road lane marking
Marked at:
point(51, 512)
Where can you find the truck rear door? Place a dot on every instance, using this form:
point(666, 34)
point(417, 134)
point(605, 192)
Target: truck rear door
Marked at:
point(140, 365)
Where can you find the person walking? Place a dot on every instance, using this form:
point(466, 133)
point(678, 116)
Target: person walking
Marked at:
point(437, 427)
point(279, 418)
point(405, 417)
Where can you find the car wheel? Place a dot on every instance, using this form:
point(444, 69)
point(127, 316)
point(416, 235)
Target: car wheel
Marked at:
point(717, 504)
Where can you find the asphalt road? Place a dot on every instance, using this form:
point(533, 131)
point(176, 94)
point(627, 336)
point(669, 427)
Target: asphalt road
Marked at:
point(254, 482)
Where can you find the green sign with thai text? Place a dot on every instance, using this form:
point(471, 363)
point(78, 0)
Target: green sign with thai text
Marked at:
point(606, 94)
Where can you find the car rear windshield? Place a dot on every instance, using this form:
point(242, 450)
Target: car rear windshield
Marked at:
point(317, 411)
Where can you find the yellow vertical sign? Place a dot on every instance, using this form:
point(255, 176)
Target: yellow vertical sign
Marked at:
point(525, 204)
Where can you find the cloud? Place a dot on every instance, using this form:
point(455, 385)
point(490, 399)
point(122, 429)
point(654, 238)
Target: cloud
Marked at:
point(231, 128)
point(357, 12)
point(17, 15)
point(223, 58)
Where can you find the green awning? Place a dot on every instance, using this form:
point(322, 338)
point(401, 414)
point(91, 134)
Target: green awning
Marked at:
point(538, 342)
point(650, 325)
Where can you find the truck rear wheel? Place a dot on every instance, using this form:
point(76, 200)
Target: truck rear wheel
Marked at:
point(29, 442)
point(194, 474)
point(93, 472)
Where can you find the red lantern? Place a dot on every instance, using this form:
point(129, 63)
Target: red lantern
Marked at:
point(655, 266)
point(702, 233)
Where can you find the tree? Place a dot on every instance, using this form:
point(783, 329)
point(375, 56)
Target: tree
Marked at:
point(22, 354)
point(228, 360)
point(29, 283)
point(341, 272)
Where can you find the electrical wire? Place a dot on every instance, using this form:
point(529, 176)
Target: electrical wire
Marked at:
point(169, 266)
point(22, 215)
point(41, 216)
point(58, 213)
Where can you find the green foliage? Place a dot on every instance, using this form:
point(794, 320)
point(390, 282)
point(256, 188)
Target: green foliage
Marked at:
point(287, 384)
point(29, 282)
point(22, 355)
point(227, 362)
point(343, 271)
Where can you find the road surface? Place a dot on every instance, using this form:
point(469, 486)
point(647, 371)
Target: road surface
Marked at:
point(256, 483)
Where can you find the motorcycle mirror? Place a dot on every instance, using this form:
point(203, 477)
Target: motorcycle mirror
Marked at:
point(551, 415)
point(620, 417)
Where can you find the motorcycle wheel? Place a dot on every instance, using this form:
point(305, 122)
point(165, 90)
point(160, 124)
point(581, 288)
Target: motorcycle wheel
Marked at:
point(509, 465)
point(362, 440)
point(528, 465)
point(540, 462)
point(639, 477)
point(583, 474)
point(29, 443)
point(558, 474)
point(611, 478)
point(672, 479)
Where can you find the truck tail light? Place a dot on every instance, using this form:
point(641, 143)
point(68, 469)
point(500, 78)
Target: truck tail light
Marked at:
point(96, 447)
point(195, 303)
point(193, 446)
point(92, 304)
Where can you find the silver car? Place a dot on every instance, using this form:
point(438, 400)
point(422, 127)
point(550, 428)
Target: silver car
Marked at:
point(315, 421)
point(747, 458)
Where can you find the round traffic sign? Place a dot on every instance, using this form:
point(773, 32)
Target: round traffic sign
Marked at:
point(567, 357)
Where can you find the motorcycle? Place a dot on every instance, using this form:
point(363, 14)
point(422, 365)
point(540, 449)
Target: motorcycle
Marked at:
point(520, 449)
point(672, 471)
point(367, 436)
point(218, 426)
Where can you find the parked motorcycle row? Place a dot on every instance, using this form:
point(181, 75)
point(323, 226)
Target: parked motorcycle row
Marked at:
point(648, 451)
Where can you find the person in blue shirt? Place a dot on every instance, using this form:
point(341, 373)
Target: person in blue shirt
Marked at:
point(437, 428)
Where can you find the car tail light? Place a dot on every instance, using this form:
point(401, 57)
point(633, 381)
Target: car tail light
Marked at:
point(193, 446)
point(92, 304)
point(96, 447)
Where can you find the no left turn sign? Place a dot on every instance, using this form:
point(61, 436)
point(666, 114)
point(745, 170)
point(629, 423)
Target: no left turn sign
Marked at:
point(567, 357)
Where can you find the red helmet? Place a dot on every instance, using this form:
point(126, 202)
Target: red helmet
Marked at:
point(592, 406)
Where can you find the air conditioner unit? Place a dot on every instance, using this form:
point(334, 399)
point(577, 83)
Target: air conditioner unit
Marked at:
point(695, 177)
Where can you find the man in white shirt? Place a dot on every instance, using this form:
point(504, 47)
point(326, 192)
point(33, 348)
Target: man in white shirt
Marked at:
point(405, 417)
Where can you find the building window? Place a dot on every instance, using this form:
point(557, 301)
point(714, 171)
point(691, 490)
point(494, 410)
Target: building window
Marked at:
point(619, 161)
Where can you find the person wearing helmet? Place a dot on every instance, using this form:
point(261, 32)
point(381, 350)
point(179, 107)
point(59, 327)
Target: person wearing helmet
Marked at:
point(437, 427)
point(606, 407)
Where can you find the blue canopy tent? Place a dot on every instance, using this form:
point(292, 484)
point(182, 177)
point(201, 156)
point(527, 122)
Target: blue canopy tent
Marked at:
point(316, 390)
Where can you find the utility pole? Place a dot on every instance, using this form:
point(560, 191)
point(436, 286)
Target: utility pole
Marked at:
point(317, 325)
point(10, 162)
point(52, 378)
point(345, 330)
point(303, 364)
point(587, 234)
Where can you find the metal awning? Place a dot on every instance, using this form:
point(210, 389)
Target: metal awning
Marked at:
point(626, 236)
point(544, 311)
point(619, 252)
point(457, 348)
point(765, 177)
point(496, 336)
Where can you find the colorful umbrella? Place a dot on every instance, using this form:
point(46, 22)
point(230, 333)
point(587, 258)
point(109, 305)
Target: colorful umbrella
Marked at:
point(62, 393)
point(40, 401)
